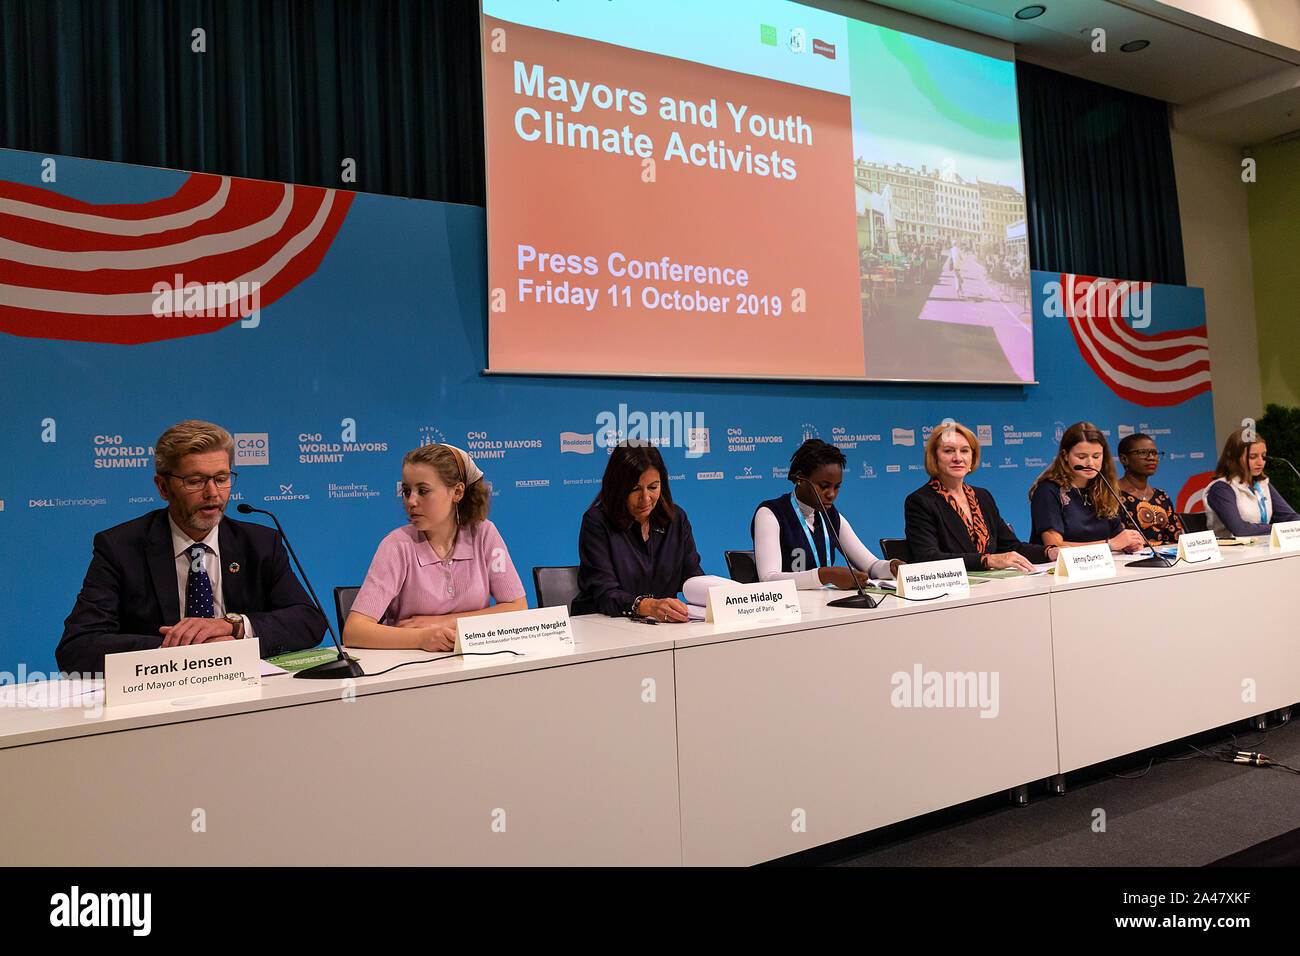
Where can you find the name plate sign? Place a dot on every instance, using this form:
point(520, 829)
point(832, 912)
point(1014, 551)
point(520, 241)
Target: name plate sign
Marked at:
point(166, 673)
point(542, 630)
point(767, 602)
point(1285, 536)
point(1085, 563)
point(1197, 546)
point(934, 579)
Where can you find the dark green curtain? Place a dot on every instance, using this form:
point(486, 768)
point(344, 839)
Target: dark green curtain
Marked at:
point(286, 90)
point(1099, 179)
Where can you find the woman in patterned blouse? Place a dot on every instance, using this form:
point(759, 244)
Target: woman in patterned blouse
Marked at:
point(1157, 520)
point(947, 518)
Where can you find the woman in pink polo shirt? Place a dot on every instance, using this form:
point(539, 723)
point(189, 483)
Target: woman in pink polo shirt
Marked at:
point(446, 563)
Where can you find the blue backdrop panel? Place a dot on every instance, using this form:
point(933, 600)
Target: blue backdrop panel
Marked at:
point(382, 349)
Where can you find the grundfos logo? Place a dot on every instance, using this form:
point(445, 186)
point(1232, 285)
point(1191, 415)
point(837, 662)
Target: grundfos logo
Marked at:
point(286, 494)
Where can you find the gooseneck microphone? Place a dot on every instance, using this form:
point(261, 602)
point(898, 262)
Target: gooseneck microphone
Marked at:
point(862, 599)
point(1155, 561)
point(1285, 462)
point(337, 669)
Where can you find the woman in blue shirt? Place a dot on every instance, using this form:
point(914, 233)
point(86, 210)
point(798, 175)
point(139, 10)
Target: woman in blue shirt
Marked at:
point(635, 550)
point(1072, 507)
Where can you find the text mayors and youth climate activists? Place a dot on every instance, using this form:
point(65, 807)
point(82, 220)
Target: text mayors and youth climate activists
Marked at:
point(447, 562)
point(948, 518)
point(185, 574)
point(635, 547)
point(1069, 503)
point(790, 542)
point(1240, 500)
point(1157, 521)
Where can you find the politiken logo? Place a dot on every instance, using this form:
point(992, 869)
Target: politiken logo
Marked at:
point(252, 448)
point(578, 443)
point(904, 436)
point(822, 48)
point(533, 483)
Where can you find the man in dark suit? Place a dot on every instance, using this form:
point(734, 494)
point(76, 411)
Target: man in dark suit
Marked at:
point(185, 574)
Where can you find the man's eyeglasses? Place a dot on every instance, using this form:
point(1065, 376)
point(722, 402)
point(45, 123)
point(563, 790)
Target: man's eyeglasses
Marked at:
point(196, 482)
point(1146, 453)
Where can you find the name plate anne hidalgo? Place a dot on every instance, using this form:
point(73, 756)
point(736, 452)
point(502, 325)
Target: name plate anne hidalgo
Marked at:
point(767, 602)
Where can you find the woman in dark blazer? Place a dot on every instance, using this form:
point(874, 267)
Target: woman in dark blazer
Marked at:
point(947, 518)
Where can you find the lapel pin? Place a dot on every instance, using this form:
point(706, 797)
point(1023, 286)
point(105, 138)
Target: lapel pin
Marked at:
point(234, 567)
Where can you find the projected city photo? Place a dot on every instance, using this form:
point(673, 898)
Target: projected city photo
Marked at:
point(676, 172)
point(939, 196)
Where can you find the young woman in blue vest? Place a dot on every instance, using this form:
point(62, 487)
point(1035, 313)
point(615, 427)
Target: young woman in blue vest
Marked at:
point(789, 539)
point(1239, 499)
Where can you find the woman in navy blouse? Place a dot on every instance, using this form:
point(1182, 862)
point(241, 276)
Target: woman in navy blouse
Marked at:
point(1070, 504)
point(635, 548)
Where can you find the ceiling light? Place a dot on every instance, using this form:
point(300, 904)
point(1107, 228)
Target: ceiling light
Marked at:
point(1132, 46)
point(1031, 11)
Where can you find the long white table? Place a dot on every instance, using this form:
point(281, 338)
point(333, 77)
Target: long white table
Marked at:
point(1157, 654)
point(662, 745)
point(478, 762)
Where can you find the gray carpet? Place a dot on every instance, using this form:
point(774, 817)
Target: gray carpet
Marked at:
point(1181, 813)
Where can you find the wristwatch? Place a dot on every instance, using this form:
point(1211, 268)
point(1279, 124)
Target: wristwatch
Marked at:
point(236, 625)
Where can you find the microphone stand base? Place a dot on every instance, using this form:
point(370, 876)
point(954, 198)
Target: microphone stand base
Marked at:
point(1148, 563)
point(339, 669)
point(854, 600)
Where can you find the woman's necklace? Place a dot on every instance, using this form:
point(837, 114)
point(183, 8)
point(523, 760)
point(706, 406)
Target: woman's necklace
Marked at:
point(1143, 494)
point(445, 561)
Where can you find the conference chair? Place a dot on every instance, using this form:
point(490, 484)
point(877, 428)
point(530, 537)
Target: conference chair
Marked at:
point(556, 586)
point(741, 567)
point(895, 549)
point(1194, 521)
point(343, 598)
